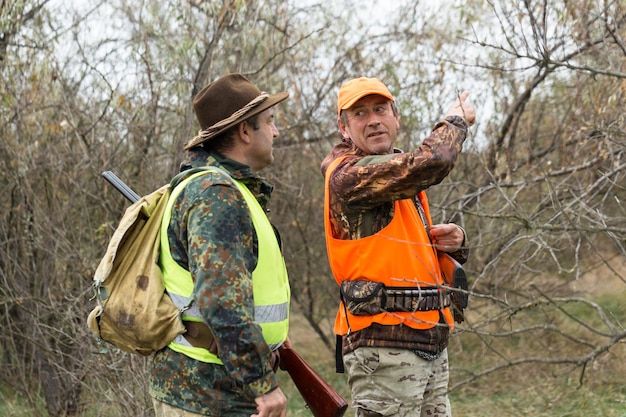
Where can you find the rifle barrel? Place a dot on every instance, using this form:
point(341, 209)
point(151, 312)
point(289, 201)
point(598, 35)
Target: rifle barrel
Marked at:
point(121, 186)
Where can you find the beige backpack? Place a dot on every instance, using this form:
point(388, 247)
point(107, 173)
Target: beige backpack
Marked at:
point(134, 313)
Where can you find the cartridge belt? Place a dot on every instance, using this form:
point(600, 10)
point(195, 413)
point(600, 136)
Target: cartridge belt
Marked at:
point(362, 297)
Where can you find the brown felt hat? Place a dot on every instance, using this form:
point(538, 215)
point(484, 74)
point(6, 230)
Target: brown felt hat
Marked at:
point(226, 102)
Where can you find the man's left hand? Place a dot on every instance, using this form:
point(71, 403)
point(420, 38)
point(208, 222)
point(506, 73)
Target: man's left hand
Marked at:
point(447, 237)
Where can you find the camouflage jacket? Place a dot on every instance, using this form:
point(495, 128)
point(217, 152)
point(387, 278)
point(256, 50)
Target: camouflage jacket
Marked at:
point(211, 234)
point(362, 192)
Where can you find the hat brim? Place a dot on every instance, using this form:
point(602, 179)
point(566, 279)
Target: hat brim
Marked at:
point(360, 95)
point(271, 101)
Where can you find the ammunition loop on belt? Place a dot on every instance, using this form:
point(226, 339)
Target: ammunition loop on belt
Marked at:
point(362, 297)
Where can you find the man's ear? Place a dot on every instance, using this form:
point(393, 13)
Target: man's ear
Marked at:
point(342, 129)
point(243, 130)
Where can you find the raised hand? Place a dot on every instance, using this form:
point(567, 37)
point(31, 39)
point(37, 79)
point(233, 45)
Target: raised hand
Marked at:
point(463, 109)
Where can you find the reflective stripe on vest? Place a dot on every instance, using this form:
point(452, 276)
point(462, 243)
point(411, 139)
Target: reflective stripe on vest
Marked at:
point(399, 255)
point(269, 279)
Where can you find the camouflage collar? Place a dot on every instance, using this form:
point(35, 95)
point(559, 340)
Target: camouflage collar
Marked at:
point(198, 157)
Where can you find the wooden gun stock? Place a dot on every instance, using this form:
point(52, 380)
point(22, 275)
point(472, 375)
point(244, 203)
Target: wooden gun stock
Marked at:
point(320, 397)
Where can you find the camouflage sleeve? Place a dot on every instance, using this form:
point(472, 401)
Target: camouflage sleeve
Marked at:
point(462, 254)
point(222, 254)
point(376, 179)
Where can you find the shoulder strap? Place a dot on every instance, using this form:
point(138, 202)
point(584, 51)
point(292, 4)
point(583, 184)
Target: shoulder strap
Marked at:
point(184, 174)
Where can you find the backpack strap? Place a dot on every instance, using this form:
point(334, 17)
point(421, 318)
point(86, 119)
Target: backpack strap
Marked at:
point(180, 177)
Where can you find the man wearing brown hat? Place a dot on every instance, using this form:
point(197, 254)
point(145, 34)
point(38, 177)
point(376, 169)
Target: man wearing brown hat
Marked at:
point(222, 264)
point(394, 317)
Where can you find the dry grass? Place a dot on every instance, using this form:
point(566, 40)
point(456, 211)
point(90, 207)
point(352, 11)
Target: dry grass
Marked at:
point(537, 389)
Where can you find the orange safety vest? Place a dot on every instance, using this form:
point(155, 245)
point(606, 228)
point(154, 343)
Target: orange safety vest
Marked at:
point(399, 255)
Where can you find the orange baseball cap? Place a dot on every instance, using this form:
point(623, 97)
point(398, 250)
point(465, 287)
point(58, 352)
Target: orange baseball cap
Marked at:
point(357, 88)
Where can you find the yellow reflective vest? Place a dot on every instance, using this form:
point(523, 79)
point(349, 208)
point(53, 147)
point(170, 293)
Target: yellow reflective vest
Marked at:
point(270, 282)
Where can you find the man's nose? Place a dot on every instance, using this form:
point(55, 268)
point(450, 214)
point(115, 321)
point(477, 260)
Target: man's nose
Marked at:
point(373, 118)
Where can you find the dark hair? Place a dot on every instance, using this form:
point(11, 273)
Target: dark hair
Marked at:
point(223, 141)
point(254, 121)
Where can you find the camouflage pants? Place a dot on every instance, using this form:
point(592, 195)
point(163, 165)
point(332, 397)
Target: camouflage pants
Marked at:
point(165, 410)
point(396, 382)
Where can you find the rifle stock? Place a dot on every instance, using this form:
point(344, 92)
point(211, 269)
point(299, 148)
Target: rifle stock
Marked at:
point(320, 397)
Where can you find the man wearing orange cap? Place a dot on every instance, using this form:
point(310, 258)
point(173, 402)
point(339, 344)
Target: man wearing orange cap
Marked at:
point(222, 264)
point(394, 318)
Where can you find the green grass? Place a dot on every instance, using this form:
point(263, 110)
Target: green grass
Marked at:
point(13, 404)
point(549, 399)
